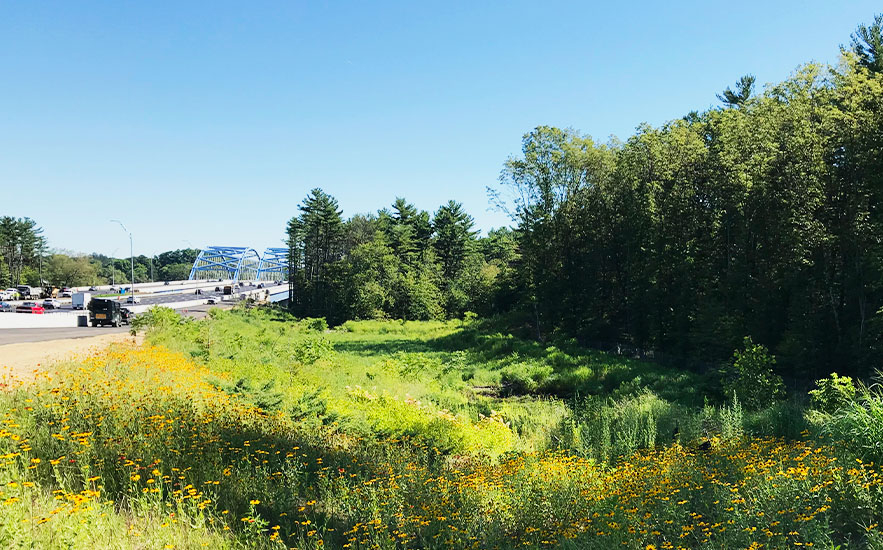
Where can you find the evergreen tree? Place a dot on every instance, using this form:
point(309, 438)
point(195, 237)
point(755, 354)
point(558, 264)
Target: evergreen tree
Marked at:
point(452, 227)
point(315, 240)
point(737, 97)
point(20, 242)
point(867, 43)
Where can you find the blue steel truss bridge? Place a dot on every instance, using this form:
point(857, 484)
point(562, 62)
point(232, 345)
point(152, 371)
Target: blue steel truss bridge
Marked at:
point(239, 263)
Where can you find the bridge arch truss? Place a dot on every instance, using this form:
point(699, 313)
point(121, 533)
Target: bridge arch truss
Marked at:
point(274, 265)
point(236, 263)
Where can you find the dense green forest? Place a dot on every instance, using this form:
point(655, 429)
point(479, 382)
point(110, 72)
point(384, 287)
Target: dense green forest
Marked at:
point(25, 258)
point(757, 218)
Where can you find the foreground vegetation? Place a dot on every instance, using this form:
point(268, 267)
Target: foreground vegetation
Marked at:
point(253, 430)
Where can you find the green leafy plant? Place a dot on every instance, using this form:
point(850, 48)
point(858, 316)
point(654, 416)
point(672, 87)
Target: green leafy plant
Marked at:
point(263, 396)
point(311, 349)
point(751, 377)
point(318, 324)
point(522, 378)
point(833, 393)
point(155, 318)
point(311, 405)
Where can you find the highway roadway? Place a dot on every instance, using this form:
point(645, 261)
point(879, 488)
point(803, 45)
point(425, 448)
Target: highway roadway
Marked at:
point(20, 335)
point(166, 297)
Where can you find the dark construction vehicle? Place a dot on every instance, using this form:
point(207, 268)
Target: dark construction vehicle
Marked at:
point(108, 312)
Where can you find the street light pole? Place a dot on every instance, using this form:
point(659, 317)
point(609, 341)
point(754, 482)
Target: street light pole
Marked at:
point(113, 268)
point(132, 253)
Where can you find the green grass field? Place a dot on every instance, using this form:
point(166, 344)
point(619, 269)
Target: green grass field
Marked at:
point(251, 429)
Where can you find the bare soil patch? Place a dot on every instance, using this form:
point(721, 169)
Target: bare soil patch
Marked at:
point(21, 361)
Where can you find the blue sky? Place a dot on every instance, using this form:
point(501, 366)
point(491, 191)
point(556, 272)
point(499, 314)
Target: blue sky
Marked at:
point(208, 122)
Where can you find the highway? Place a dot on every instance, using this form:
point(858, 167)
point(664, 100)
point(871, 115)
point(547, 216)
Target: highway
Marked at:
point(21, 335)
point(166, 297)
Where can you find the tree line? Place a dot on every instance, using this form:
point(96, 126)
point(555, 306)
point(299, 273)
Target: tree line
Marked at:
point(400, 262)
point(761, 218)
point(26, 258)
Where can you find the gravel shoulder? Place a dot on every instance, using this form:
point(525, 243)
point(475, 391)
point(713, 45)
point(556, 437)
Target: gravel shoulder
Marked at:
point(21, 360)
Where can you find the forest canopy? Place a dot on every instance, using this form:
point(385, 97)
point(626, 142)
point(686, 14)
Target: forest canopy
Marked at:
point(758, 218)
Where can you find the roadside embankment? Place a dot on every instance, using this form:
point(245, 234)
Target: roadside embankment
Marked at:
point(21, 361)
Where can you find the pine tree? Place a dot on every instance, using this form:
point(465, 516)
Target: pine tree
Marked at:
point(738, 97)
point(453, 237)
point(867, 43)
point(315, 240)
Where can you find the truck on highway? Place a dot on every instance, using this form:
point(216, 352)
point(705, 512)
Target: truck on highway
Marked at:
point(29, 292)
point(107, 312)
point(80, 300)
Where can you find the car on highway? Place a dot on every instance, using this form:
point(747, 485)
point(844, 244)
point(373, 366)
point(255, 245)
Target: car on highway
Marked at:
point(133, 300)
point(6, 307)
point(126, 315)
point(8, 295)
point(51, 303)
point(30, 307)
point(93, 288)
point(215, 299)
point(65, 293)
point(103, 312)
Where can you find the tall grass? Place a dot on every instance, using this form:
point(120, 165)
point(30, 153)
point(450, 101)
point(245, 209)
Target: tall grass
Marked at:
point(255, 430)
point(858, 425)
point(136, 445)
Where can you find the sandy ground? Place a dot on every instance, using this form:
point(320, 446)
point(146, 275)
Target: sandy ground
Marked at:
point(21, 360)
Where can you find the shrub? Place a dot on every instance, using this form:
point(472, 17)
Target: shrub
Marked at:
point(318, 324)
point(311, 349)
point(157, 317)
point(311, 405)
point(859, 426)
point(264, 396)
point(751, 376)
point(832, 393)
point(523, 378)
point(411, 365)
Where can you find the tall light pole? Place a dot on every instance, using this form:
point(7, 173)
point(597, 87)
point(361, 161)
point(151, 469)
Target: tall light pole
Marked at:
point(113, 268)
point(42, 284)
point(132, 253)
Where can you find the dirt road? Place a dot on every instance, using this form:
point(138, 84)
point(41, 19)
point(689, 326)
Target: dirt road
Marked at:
point(22, 359)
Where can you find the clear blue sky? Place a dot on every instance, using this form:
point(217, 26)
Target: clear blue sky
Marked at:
point(208, 122)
